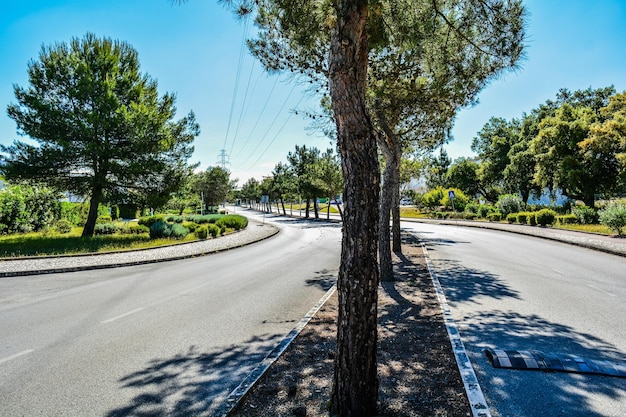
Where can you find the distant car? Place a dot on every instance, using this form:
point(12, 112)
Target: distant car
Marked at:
point(405, 202)
point(335, 202)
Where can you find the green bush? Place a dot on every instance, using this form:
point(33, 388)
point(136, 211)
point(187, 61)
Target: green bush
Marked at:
point(567, 219)
point(472, 207)
point(179, 231)
point(191, 226)
point(160, 229)
point(586, 215)
point(433, 198)
point(207, 218)
point(532, 218)
point(470, 216)
point(201, 232)
point(511, 217)
point(72, 213)
point(63, 226)
point(148, 221)
point(484, 210)
point(494, 217)
point(233, 221)
point(509, 203)
point(522, 217)
point(105, 229)
point(134, 229)
point(460, 199)
point(545, 217)
point(614, 217)
point(174, 219)
point(127, 211)
point(104, 219)
point(213, 229)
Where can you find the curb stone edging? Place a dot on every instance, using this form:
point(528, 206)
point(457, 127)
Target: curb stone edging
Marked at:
point(239, 393)
point(475, 396)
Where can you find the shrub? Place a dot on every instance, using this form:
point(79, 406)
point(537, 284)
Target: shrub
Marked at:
point(233, 221)
point(71, 213)
point(213, 229)
point(532, 218)
point(208, 218)
point(567, 219)
point(201, 232)
point(105, 229)
point(484, 210)
point(472, 207)
point(104, 219)
point(614, 217)
point(522, 217)
point(460, 199)
point(545, 217)
point(160, 229)
point(509, 203)
point(134, 229)
point(191, 226)
point(63, 226)
point(470, 216)
point(174, 219)
point(494, 217)
point(511, 217)
point(148, 221)
point(433, 198)
point(585, 215)
point(179, 231)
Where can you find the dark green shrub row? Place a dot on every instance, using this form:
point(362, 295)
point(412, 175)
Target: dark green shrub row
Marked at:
point(233, 221)
point(162, 229)
point(105, 228)
point(148, 221)
point(204, 219)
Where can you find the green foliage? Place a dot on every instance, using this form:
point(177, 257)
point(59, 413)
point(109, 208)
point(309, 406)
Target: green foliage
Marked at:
point(201, 232)
point(72, 213)
point(214, 185)
point(213, 230)
point(204, 219)
point(522, 217)
point(101, 125)
point(25, 208)
point(191, 226)
point(174, 219)
point(472, 207)
point(470, 216)
point(233, 221)
point(134, 229)
point(494, 217)
point(511, 217)
point(148, 221)
point(105, 229)
point(484, 210)
point(545, 217)
point(460, 199)
point(127, 211)
point(432, 198)
point(179, 231)
point(160, 229)
point(567, 219)
point(63, 226)
point(509, 203)
point(586, 215)
point(614, 217)
point(105, 219)
point(532, 218)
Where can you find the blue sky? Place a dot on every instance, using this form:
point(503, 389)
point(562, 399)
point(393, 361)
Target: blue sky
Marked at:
point(194, 51)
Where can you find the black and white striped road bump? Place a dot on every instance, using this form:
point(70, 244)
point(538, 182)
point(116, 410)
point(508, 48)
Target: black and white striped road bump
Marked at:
point(535, 360)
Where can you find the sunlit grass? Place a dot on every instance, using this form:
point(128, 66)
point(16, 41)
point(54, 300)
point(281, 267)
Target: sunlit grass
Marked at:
point(588, 228)
point(37, 244)
point(412, 213)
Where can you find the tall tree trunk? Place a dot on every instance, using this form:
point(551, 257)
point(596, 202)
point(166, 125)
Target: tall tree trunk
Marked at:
point(328, 210)
point(386, 199)
point(395, 206)
point(316, 208)
point(92, 217)
point(339, 210)
point(355, 382)
point(282, 202)
point(306, 212)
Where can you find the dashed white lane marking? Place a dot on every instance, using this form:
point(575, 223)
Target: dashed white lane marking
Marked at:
point(17, 355)
point(193, 289)
point(121, 316)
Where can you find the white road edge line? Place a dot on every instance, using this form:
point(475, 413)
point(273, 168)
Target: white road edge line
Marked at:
point(121, 316)
point(238, 393)
point(17, 355)
point(474, 393)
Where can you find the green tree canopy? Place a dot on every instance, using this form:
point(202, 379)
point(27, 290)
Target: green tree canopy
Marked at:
point(102, 128)
point(213, 185)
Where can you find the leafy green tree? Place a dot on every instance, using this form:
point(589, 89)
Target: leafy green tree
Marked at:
point(283, 183)
point(569, 156)
point(463, 174)
point(103, 131)
point(436, 169)
point(250, 191)
point(332, 43)
point(213, 185)
point(303, 162)
point(331, 177)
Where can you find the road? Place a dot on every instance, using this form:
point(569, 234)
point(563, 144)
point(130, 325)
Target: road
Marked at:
point(171, 338)
point(522, 293)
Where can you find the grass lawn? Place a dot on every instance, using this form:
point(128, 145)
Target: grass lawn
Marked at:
point(36, 244)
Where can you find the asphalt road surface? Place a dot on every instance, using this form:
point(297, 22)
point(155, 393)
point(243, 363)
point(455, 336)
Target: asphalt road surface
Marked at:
point(171, 338)
point(522, 293)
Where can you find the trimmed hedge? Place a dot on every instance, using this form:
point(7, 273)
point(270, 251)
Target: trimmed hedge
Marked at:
point(546, 217)
point(105, 229)
point(233, 221)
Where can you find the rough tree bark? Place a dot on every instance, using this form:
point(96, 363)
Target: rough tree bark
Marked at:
point(355, 385)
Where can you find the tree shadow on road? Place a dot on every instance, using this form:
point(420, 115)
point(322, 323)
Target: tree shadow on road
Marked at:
point(194, 382)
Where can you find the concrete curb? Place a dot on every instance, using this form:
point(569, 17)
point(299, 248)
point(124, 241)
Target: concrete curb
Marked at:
point(129, 262)
point(239, 393)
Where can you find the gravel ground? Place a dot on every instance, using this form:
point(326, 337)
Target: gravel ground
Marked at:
point(49, 264)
